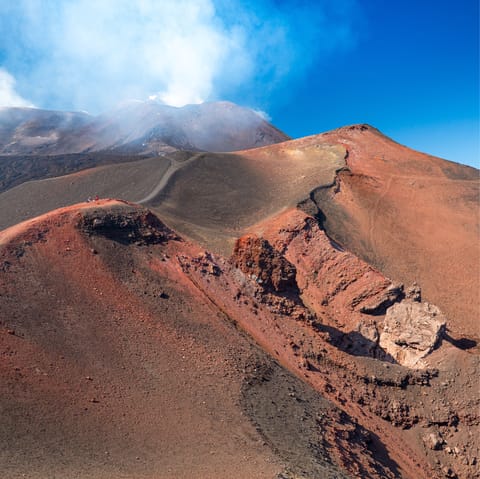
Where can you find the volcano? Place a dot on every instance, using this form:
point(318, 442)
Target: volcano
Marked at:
point(135, 126)
point(234, 303)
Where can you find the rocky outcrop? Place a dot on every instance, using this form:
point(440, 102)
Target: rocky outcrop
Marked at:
point(380, 303)
point(257, 258)
point(138, 226)
point(411, 331)
point(364, 313)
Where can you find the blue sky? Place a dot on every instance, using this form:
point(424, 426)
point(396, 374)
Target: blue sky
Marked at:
point(412, 71)
point(410, 68)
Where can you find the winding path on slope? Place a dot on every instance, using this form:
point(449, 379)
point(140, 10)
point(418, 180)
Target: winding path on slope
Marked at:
point(175, 165)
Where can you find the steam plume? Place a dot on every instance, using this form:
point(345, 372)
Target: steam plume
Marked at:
point(90, 54)
point(8, 95)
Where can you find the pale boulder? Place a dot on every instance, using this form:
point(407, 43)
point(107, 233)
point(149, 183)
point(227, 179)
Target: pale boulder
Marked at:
point(411, 331)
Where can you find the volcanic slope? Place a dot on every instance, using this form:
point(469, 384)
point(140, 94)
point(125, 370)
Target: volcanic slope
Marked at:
point(27, 130)
point(116, 363)
point(322, 312)
point(413, 216)
point(18, 169)
point(214, 198)
point(210, 197)
point(131, 180)
point(113, 365)
point(127, 352)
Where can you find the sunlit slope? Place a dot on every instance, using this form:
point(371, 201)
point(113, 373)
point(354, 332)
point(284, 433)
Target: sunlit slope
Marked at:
point(413, 216)
point(214, 198)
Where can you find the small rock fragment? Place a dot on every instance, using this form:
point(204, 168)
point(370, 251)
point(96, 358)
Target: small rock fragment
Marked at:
point(433, 441)
point(414, 292)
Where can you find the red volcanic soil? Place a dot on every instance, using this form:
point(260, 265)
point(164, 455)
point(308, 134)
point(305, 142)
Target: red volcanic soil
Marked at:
point(319, 333)
point(277, 348)
point(127, 351)
point(113, 365)
point(413, 216)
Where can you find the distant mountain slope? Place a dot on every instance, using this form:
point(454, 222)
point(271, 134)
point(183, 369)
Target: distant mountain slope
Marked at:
point(135, 127)
point(18, 169)
point(31, 130)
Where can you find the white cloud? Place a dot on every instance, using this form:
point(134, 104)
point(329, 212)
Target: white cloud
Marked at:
point(8, 95)
point(121, 48)
point(90, 54)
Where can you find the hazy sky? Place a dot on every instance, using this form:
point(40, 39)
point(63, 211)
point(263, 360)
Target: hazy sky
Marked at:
point(409, 67)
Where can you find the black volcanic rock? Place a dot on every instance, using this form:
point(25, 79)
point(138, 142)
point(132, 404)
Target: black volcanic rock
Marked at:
point(138, 226)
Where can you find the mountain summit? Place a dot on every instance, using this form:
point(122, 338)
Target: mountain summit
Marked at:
point(135, 127)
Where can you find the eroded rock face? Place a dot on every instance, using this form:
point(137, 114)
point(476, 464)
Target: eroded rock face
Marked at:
point(256, 257)
point(379, 304)
point(137, 226)
point(411, 331)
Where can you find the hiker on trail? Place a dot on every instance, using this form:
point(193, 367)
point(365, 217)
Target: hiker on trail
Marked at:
point(89, 199)
point(96, 198)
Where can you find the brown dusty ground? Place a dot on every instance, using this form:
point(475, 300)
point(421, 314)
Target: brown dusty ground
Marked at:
point(132, 180)
point(413, 216)
point(115, 365)
point(15, 170)
point(124, 354)
point(109, 374)
point(215, 198)
point(127, 352)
